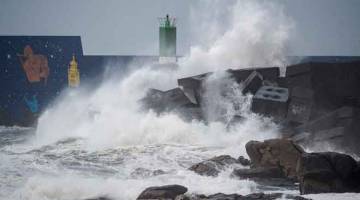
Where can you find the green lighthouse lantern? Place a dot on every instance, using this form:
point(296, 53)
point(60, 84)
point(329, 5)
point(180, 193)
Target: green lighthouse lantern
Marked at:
point(167, 40)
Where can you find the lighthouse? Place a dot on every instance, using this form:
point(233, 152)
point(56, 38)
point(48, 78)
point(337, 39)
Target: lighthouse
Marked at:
point(167, 40)
point(73, 73)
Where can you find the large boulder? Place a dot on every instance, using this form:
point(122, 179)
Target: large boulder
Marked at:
point(263, 173)
point(327, 172)
point(272, 176)
point(213, 166)
point(281, 153)
point(163, 192)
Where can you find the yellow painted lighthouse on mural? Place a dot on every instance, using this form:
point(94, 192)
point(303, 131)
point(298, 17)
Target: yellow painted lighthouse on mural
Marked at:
point(73, 73)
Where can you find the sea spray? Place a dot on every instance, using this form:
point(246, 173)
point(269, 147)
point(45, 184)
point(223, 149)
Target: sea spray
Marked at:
point(90, 142)
point(256, 34)
point(223, 98)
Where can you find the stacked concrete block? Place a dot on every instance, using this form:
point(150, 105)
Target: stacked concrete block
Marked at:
point(252, 83)
point(270, 73)
point(190, 112)
point(301, 102)
point(341, 117)
point(192, 87)
point(271, 101)
point(298, 76)
point(338, 128)
point(153, 100)
point(161, 101)
point(335, 135)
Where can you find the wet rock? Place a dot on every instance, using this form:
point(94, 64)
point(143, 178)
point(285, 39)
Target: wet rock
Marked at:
point(254, 196)
point(243, 161)
point(213, 166)
point(327, 172)
point(281, 153)
point(144, 173)
point(162, 192)
point(272, 176)
point(260, 172)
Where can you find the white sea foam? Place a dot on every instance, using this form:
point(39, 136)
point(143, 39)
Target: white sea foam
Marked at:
point(255, 35)
point(109, 118)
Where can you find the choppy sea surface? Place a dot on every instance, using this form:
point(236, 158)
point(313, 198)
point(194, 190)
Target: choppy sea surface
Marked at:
point(94, 142)
point(65, 170)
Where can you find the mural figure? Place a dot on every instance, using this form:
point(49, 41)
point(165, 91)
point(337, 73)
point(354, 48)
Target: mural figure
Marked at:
point(32, 104)
point(35, 65)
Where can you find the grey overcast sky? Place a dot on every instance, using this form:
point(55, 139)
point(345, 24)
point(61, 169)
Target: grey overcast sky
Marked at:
point(127, 27)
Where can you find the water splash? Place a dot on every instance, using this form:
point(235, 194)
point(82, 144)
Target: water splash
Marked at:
point(108, 124)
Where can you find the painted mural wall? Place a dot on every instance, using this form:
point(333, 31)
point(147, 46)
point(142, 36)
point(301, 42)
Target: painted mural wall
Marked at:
point(34, 70)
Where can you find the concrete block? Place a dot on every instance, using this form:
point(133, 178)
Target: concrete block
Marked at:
point(240, 75)
point(193, 81)
point(153, 100)
point(344, 116)
point(299, 110)
point(161, 101)
point(302, 80)
point(329, 134)
point(190, 112)
point(271, 101)
point(174, 98)
point(191, 95)
point(296, 70)
point(270, 73)
point(192, 87)
point(301, 137)
point(303, 93)
point(300, 105)
point(252, 83)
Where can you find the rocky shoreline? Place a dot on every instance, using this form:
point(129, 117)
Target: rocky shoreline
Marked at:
point(314, 103)
point(274, 162)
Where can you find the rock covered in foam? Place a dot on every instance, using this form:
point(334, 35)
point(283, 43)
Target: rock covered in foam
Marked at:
point(162, 192)
point(145, 173)
point(213, 166)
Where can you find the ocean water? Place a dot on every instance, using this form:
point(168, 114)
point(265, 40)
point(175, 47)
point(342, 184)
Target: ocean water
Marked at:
point(99, 141)
point(95, 142)
point(65, 170)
